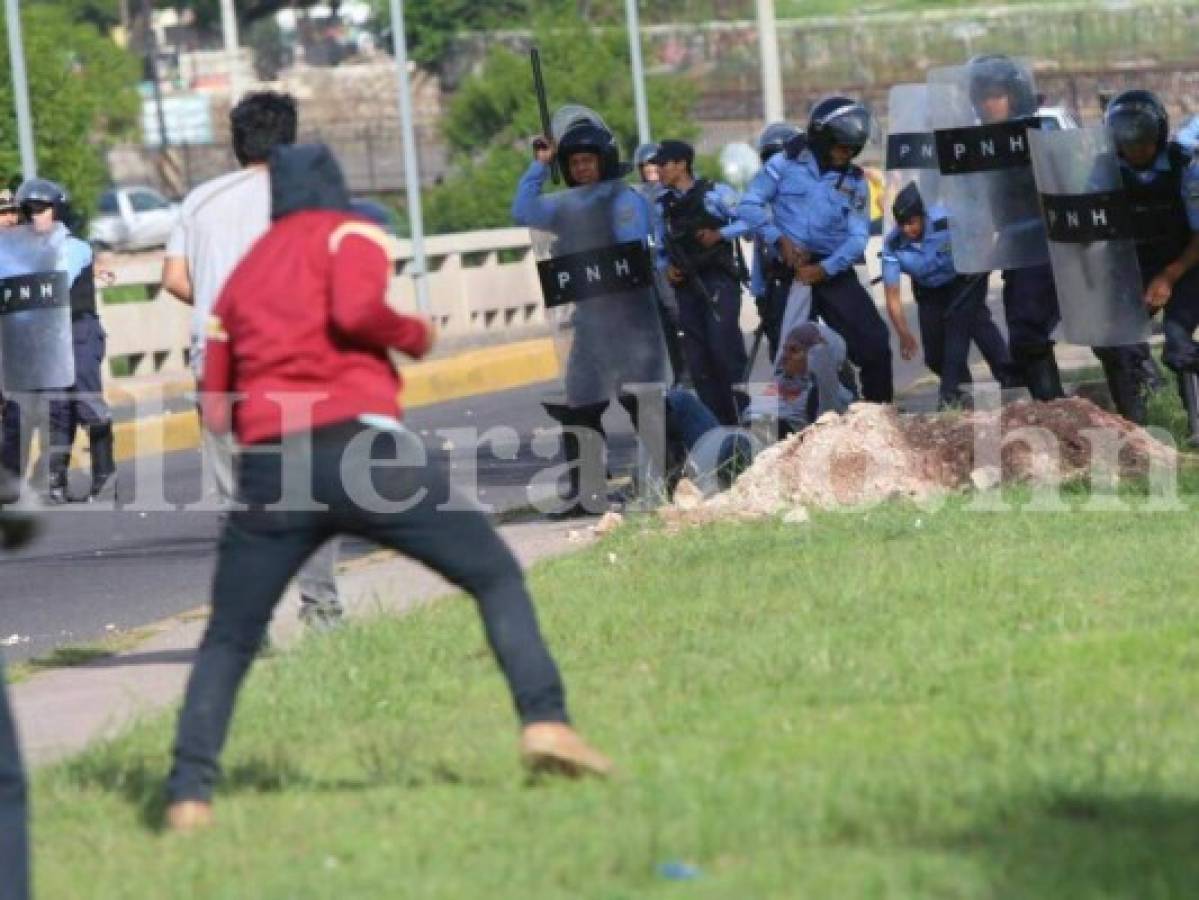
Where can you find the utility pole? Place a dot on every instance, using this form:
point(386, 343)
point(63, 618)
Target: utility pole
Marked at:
point(151, 47)
point(416, 223)
point(232, 61)
point(20, 89)
point(639, 101)
point(772, 80)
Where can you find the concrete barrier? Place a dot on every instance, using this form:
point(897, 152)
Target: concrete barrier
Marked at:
point(483, 287)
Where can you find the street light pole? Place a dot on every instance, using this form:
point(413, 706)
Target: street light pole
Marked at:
point(416, 224)
point(20, 89)
point(229, 35)
point(772, 81)
point(634, 28)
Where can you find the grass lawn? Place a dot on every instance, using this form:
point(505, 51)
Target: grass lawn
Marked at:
point(891, 704)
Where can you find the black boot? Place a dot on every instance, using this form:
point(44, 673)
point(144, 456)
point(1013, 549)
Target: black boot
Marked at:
point(1121, 368)
point(583, 446)
point(1043, 378)
point(104, 467)
point(57, 464)
point(1188, 386)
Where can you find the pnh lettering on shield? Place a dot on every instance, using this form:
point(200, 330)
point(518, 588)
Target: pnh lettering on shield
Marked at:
point(1083, 218)
point(44, 290)
point(594, 273)
point(983, 148)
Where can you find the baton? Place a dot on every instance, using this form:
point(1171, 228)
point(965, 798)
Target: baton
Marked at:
point(753, 353)
point(543, 108)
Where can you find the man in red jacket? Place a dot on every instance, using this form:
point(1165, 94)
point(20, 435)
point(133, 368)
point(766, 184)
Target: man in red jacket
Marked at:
point(301, 334)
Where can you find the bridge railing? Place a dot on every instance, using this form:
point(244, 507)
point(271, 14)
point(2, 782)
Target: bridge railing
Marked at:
point(483, 287)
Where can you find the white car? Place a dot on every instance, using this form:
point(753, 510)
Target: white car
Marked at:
point(1056, 118)
point(133, 218)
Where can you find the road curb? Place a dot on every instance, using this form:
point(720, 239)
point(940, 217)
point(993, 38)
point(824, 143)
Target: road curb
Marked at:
point(468, 374)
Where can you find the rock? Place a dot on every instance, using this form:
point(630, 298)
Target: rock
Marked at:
point(797, 516)
point(687, 496)
point(986, 478)
point(608, 523)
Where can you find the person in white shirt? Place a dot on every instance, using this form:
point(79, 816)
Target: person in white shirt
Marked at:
point(220, 221)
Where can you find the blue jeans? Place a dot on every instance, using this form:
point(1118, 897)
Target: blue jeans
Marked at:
point(14, 839)
point(261, 548)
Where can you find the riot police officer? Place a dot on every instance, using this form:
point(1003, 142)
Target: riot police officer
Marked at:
point(770, 279)
point(813, 208)
point(1000, 91)
point(617, 339)
point(43, 206)
point(952, 308)
point(10, 213)
point(649, 186)
point(698, 248)
point(1162, 184)
point(643, 162)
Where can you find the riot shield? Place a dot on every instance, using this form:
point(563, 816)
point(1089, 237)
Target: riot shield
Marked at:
point(1091, 247)
point(911, 154)
point(987, 180)
point(35, 311)
point(597, 281)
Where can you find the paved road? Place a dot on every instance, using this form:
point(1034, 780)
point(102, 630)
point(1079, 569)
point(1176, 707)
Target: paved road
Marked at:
point(93, 569)
point(98, 570)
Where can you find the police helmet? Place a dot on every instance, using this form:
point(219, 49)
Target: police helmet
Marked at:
point(8, 202)
point(995, 73)
point(588, 137)
point(775, 137)
point(43, 190)
point(908, 203)
point(838, 120)
point(1137, 117)
point(644, 154)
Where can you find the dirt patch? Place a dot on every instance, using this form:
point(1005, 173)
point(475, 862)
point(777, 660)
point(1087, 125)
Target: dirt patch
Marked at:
point(872, 454)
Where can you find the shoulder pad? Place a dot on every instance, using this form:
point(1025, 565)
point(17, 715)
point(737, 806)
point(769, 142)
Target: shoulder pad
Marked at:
point(856, 171)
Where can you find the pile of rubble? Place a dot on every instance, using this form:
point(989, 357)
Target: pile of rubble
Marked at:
point(872, 454)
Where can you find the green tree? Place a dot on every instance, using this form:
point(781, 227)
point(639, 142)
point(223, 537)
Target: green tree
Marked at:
point(493, 116)
point(432, 25)
point(82, 90)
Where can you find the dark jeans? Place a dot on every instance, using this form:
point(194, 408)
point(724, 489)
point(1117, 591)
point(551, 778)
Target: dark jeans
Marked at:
point(715, 348)
point(261, 549)
point(14, 840)
point(951, 316)
point(847, 308)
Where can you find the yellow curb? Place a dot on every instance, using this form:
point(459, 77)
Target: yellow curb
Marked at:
point(482, 371)
point(475, 372)
point(135, 391)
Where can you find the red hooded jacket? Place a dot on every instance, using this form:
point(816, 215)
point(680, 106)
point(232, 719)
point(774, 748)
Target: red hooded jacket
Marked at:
point(302, 329)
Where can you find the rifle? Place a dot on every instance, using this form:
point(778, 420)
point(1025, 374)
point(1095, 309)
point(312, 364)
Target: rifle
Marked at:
point(543, 108)
point(682, 262)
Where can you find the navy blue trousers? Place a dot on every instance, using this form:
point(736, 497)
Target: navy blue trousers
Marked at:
point(847, 308)
point(714, 348)
point(1030, 308)
point(82, 404)
point(951, 316)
